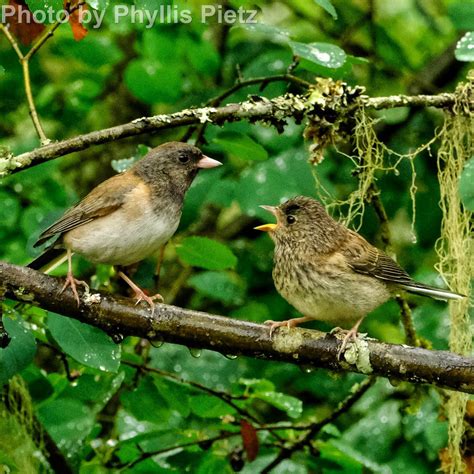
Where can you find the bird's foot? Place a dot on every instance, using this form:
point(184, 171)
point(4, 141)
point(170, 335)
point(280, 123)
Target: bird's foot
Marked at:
point(140, 295)
point(72, 282)
point(289, 323)
point(349, 336)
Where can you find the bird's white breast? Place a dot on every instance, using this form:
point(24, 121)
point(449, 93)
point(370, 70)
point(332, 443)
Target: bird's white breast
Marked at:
point(123, 237)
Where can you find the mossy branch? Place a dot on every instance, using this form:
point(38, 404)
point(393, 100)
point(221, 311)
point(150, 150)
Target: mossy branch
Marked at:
point(273, 112)
point(117, 315)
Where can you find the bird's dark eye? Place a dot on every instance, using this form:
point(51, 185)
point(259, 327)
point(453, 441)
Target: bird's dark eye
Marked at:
point(291, 219)
point(183, 158)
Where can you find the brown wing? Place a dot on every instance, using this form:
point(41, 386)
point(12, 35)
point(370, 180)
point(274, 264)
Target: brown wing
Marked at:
point(102, 200)
point(369, 260)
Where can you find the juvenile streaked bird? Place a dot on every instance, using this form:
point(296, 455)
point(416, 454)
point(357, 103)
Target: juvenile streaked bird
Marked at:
point(329, 272)
point(127, 217)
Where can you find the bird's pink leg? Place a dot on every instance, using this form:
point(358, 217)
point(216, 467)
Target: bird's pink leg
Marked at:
point(140, 294)
point(71, 281)
point(351, 334)
point(289, 323)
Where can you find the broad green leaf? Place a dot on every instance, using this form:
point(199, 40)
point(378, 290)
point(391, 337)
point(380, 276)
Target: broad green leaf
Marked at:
point(87, 344)
point(2, 70)
point(206, 406)
point(241, 146)
point(461, 14)
point(291, 405)
point(466, 184)
point(465, 48)
point(206, 253)
point(98, 4)
point(258, 385)
point(325, 54)
point(145, 403)
point(68, 421)
point(152, 81)
point(328, 6)
point(177, 395)
point(19, 353)
point(50, 8)
point(221, 286)
point(273, 32)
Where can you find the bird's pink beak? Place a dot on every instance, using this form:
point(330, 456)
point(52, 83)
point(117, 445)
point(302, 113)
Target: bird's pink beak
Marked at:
point(268, 227)
point(205, 163)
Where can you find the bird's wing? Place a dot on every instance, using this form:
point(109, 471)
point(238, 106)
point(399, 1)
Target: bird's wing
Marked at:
point(364, 258)
point(101, 201)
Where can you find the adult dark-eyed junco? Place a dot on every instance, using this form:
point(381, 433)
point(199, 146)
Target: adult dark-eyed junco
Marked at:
point(127, 217)
point(330, 273)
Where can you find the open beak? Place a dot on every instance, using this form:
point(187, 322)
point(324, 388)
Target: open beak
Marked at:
point(268, 227)
point(205, 162)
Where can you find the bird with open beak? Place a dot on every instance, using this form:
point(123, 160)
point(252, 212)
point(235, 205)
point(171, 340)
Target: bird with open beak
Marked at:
point(329, 272)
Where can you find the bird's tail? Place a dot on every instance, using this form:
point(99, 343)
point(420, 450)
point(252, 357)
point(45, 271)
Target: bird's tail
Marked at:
point(432, 292)
point(49, 260)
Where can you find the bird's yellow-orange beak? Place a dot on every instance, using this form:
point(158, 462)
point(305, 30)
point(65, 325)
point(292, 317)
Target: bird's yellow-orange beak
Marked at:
point(268, 227)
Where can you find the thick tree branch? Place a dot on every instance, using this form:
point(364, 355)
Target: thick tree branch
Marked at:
point(228, 336)
point(274, 111)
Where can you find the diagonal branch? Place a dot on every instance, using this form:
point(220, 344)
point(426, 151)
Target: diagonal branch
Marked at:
point(274, 112)
point(217, 333)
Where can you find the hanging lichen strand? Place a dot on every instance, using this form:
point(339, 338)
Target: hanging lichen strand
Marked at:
point(370, 160)
point(18, 431)
point(455, 250)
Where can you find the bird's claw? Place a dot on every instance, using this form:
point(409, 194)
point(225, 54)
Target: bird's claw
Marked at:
point(277, 324)
point(351, 335)
point(140, 295)
point(72, 282)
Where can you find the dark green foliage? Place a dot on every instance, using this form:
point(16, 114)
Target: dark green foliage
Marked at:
point(109, 405)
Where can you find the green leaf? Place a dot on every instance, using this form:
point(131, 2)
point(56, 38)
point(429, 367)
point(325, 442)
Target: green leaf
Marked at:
point(206, 253)
point(328, 6)
point(465, 48)
point(291, 405)
point(153, 82)
point(98, 4)
point(241, 146)
point(19, 353)
point(206, 406)
point(324, 54)
point(145, 403)
point(221, 286)
point(461, 15)
point(276, 34)
point(68, 421)
point(87, 344)
point(466, 185)
point(2, 70)
point(42, 6)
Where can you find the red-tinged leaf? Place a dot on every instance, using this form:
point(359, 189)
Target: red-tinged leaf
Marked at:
point(22, 24)
point(249, 439)
point(75, 20)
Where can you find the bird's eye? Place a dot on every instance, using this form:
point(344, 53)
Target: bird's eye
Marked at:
point(291, 219)
point(183, 158)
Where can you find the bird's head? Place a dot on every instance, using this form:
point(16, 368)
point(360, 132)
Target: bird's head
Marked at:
point(176, 162)
point(301, 221)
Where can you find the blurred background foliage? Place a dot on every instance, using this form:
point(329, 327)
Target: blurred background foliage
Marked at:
point(103, 413)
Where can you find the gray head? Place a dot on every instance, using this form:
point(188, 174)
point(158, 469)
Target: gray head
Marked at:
point(304, 223)
point(174, 163)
